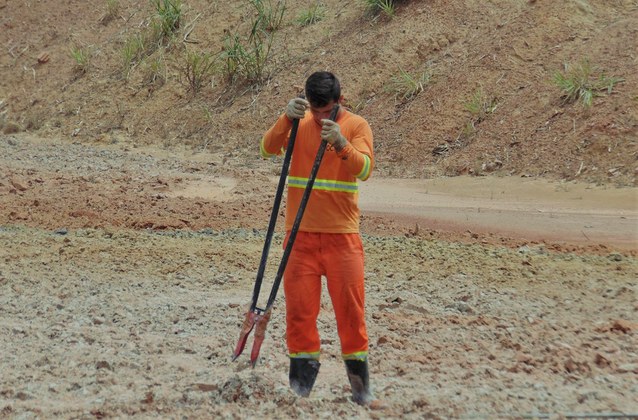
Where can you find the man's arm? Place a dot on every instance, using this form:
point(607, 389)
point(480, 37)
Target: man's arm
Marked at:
point(275, 138)
point(357, 153)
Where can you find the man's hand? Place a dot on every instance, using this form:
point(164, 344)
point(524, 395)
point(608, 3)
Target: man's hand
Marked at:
point(331, 132)
point(296, 108)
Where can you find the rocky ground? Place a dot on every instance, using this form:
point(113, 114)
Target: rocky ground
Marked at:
point(122, 293)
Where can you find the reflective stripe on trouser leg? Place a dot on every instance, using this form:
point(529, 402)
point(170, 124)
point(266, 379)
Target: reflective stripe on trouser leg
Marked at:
point(343, 257)
point(302, 289)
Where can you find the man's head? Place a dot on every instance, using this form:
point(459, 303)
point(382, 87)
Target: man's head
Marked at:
point(322, 87)
point(322, 92)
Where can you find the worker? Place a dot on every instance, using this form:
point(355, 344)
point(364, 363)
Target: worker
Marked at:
point(328, 242)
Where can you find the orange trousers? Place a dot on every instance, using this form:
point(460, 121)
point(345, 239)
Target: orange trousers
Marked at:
point(340, 258)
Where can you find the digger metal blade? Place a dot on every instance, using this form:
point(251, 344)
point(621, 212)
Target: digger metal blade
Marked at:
point(261, 322)
point(246, 328)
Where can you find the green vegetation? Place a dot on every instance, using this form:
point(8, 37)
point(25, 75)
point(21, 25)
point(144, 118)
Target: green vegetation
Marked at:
point(82, 57)
point(578, 83)
point(198, 70)
point(376, 7)
point(154, 71)
point(132, 51)
point(480, 106)
point(269, 17)
point(312, 15)
point(141, 45)
point(169, 16)
point(247, 57)
point(407, 86)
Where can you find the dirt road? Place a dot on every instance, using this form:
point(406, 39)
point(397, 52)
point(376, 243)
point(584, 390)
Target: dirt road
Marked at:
point(124, 274)
point(517, 207)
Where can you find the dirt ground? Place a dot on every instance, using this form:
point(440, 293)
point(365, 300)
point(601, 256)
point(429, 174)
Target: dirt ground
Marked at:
point(125, 273)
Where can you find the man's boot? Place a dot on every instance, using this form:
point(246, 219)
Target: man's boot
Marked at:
point(302, 375)
point(359, 381)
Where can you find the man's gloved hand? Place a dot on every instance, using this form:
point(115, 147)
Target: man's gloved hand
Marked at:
point(331, 132)
point(296, 108)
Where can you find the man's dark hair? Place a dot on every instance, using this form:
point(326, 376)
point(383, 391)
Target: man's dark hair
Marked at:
point(321, 88)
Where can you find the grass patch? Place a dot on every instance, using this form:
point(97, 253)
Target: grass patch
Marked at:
point(154, 71)
point(82, 58)
point(378, 7)
point(198, 69)
point(406, 85)
point(244, 58)
point(480, 106)
point(315, 13)
point(248, 57)
point(168, 16)
point(578, 83)
point(132, 51)
point(270, 16)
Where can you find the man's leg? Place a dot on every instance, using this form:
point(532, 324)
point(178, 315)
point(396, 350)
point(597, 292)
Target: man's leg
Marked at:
point(302, 289)
point(344, 258)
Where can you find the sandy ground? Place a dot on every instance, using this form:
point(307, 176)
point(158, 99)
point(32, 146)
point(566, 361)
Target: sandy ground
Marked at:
point(124, 276)
point(530, 208)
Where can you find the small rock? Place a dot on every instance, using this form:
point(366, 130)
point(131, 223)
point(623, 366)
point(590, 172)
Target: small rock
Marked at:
point(11, 127)
point(44, 58)
point(148, 398)
point(524, 249)
point(19, 184)
point(624, 326)
point(615, 256)
point(103, 364)
point(463, 307)
point(524, 358)
point(382, 340)
point(601, 361)
point(21, 395)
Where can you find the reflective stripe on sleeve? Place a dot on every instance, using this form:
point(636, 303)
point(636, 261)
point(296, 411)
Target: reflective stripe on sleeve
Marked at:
point(324, 184)
point(263, 152)
point(365, 171)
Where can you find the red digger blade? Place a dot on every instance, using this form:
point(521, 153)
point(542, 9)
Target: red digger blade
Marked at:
point(261, 321)
point(246, 328)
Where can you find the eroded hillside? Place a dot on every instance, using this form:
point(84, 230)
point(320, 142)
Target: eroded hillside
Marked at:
point(501, 55)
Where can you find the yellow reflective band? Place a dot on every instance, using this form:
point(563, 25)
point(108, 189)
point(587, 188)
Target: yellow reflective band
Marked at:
point(263, 152)
point(365, 171)
point(360, 355)
point(324, 184)
point(312, 355)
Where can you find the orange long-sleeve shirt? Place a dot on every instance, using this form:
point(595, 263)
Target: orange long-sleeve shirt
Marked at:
point(333, 203)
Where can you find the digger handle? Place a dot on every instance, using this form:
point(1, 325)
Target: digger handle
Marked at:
point(274, 213)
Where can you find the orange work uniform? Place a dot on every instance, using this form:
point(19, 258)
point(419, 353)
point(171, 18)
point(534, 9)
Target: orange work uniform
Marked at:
point(328, 241)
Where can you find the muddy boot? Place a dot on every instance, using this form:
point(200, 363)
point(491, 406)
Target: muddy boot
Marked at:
point(359, 381)
point(302, 375)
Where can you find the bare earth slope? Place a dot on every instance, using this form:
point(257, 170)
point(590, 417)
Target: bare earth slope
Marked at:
point(124, 274)
point(508, 50)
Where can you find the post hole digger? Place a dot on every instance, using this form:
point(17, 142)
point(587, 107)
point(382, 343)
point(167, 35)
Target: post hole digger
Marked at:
point(257, 318)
